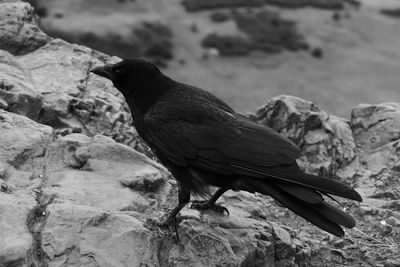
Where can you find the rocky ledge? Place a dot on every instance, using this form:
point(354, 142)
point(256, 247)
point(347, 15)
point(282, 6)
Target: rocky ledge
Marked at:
point(76, 191)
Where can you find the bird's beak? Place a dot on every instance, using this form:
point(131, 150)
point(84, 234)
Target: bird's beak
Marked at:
point(104, 71)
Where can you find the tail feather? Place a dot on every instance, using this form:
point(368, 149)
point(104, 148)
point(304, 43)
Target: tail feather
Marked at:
point(340, 216)
point(321, 214)
point(306, 194)
point(293, 175)
point(330, 186)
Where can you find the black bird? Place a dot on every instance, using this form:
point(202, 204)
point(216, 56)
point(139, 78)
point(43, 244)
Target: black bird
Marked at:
point(204, 142)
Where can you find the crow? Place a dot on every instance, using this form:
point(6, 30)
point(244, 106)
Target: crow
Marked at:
point(204, 142)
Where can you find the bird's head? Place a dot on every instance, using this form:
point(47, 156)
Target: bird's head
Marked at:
point(128, 74)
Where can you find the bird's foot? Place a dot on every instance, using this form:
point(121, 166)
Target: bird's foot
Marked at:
point(164, 223)
point(206, 205)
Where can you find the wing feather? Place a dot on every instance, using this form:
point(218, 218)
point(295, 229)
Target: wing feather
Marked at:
point(226, 140)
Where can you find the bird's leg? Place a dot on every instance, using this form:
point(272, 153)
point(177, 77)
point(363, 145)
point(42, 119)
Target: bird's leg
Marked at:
point(183, 199)
point(210, 204)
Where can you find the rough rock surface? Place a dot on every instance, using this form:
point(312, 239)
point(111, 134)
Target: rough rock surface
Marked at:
point(22, 141)
point(86, 201)
point(375, 125)
point(19, 29)
point(53, 85)
point(72, 196)
point(362, 152)
point(326, 140)
point(16, 91)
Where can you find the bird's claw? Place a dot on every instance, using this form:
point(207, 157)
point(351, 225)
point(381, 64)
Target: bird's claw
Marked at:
point(163, 223)
point(205, 205)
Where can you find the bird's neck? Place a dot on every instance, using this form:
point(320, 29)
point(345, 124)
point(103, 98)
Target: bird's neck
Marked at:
point(148, 92)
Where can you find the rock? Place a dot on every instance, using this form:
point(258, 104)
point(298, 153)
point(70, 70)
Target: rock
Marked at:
point(83, 203)
point(80, 235)
point(109, 238)
point(339, 243)
point(392, 263)
point(87, 210)
point(326, 140)
point(93, 172)
point(393, 221)
point(364, 210)
point(284, 248)
point(376, 134)
point(214, 240)
point(3, 104)
point(393, 205)
point(17, 93)
point(22, 139)
point(4, 187)
point(385, 229)
point(53, 86)
point(387, 195)
point(385, 183)
point(16, 240)
point(27, 147)
point(60, 72)
point(19, 30)
point(375, 126)
point(22, 142)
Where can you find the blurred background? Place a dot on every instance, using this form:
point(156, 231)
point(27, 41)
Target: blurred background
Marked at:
point(337, 53)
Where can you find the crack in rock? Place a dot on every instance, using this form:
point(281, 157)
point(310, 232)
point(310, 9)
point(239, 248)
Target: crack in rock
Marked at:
point(36, 221)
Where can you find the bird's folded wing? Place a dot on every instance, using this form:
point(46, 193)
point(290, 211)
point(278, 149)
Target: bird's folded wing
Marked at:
point(220, 145)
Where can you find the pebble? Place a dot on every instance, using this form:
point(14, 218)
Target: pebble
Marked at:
point(363, 210)
point(338, 243)
point(392, 263)
point(393, 221)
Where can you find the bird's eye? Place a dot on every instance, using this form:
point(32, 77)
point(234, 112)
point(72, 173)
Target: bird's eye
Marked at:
point(117, 71)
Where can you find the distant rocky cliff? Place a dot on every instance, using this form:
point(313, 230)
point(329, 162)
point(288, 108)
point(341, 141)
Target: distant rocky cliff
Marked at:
point(75, 191)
